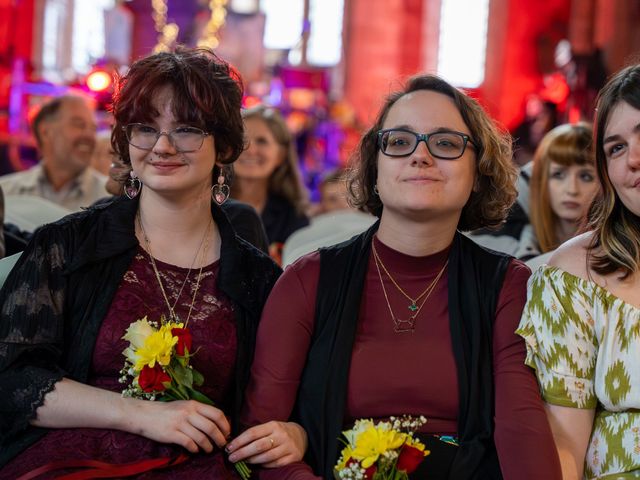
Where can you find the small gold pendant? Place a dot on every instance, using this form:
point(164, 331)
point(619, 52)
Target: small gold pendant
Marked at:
point(404, 326)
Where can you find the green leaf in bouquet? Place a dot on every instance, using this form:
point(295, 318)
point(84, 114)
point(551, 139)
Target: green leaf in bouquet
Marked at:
point(200, 397)
point(167, 396)
point(400, 475)
point(184, 391)
point(183, 375)
point(198, 378)
point(183, 360)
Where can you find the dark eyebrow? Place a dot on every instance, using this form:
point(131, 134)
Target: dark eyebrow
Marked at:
point(612, 138)
point(401, 127)
point(437, 130)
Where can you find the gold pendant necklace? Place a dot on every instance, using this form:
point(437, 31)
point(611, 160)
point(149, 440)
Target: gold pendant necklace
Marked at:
point(401, 325)
point(173, 317)
point(413, 305)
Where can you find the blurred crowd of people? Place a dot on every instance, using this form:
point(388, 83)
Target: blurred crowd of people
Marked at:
point(390, 303)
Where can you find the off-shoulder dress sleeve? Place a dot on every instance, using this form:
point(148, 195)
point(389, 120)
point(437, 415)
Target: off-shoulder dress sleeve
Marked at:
point(559, 330)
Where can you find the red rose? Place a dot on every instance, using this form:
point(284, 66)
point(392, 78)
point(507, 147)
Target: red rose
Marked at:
point(151, 379)
point(409, 459)
point(368, 472)
point(184, 340)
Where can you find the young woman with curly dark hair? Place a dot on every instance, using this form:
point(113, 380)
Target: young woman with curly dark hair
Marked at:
point(412, 317)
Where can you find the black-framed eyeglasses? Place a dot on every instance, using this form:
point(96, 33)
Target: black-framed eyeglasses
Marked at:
point(184, 139)
point(443, 144)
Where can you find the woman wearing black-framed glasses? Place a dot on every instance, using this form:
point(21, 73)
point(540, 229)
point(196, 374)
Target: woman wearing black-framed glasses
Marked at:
point(412, 317)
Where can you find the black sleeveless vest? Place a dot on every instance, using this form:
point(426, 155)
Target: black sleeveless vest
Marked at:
point(475, 279)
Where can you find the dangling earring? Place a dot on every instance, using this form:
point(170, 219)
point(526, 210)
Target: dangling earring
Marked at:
point(132, 186)
point(220, 191)
point(375, 190)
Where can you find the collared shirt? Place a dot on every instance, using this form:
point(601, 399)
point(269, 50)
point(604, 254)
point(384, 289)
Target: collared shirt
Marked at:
point(82, 191)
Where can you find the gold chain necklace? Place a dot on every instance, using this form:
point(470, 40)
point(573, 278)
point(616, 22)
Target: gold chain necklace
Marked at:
point(401, 325)
point(204, 242)
point(413, 306)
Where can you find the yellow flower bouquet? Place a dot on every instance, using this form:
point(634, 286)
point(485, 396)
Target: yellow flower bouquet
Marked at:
point(156, 367)
point(381, 451)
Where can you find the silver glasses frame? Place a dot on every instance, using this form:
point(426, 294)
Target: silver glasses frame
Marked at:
point(169, 135)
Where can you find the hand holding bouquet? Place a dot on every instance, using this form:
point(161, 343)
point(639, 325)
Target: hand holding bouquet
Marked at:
point(157, 366)
point(381, 451)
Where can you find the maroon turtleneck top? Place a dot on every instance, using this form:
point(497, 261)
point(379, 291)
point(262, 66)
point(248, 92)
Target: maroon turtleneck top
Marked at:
point(402, 373)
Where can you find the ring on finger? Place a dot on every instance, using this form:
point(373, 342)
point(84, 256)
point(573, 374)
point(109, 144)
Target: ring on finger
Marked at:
point(272, 442)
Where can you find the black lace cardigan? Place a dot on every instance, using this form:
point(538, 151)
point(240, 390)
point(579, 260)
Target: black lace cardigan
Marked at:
point(54, 301)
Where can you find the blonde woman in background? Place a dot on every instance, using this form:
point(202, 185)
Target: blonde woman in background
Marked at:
point(267, 176)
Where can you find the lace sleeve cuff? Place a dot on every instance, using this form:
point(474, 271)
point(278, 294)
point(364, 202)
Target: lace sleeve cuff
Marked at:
point(25, 391)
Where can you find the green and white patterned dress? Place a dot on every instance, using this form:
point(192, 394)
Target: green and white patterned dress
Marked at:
point(584, 344)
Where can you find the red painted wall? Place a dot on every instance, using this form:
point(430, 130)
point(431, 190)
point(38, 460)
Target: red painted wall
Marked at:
point(16, 41)
point(520, 47)
point(384, 45)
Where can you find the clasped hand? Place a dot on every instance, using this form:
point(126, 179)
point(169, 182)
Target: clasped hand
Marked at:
point(188, 423)
point(197, 427)
point(272, 444)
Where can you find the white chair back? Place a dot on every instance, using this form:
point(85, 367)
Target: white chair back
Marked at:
point(29, 212)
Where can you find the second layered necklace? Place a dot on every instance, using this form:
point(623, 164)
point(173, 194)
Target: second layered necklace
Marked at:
point(202, 251)
point(402, 325)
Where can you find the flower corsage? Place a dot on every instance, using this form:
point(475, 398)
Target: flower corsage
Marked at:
point(381, 451)
point(156, 367)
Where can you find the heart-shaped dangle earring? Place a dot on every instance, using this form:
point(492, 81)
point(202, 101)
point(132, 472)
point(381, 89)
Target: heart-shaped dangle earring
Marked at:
point(132, 186)
point(220, 191)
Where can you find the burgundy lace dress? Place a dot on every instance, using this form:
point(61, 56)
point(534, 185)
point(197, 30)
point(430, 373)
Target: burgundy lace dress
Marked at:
point(212, 325)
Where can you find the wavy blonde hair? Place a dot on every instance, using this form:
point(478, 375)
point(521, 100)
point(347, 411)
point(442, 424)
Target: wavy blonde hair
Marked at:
point(286, 180)
point(566, 145)
point(496, 174)
point(615, 243)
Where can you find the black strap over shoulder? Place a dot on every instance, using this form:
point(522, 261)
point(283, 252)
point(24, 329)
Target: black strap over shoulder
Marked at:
point(322, 394)
point(475, 280)
point(476, 276)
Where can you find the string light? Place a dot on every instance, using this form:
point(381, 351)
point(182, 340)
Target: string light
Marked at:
point(209, 36)
point(167, 33)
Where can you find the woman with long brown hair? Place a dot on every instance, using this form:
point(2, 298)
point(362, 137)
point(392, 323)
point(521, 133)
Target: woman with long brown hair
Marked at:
point(582, 318)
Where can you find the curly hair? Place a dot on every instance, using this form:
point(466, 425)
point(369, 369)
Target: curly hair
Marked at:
point(496, 175)
point(286, 180)
point(566, 145)
point(614, 246)
point(207, 93)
